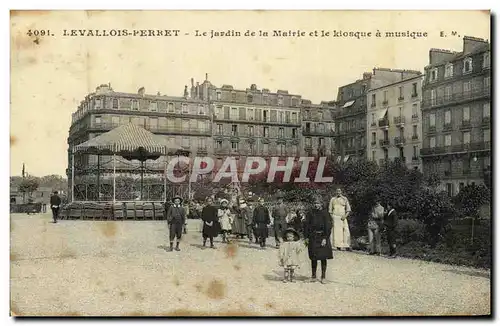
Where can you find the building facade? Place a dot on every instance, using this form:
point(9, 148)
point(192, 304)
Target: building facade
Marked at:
point(394, 121)
point(318, 128)
point(456, 115)
point(351, 115)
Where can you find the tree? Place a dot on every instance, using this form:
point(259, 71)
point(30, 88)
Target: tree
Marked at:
point(28, 185)
point(471, 198)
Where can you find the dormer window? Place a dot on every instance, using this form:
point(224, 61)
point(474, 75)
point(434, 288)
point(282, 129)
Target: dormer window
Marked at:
point(486, 60)
point(280, 100)
point(249, 98)
point(448, 70)
point(467, 65)
point(135, 105)
point(115, 103)
point(153, 107)
point(433, 75)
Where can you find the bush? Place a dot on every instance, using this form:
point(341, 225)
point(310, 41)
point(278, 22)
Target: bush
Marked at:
point(411, 231)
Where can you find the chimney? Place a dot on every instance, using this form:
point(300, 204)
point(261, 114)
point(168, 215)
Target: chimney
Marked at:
point(206, 76)
point(141, 91)
point(192, 82)
point(186, 94)
point(197, 90)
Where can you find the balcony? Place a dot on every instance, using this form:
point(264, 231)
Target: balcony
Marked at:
point(202, 149)
point(447, 127)
point(399, 141)
point(385, 102)
point(465, 125)
point(318, 132)
point(414, 118)
point(447, 173)
point(373, 143)
point(415, 159)
point(373, 124)
point(383, 123)
point(461, 148)
point(384, 142)
point(432, 129)
point(414, 137)
point(401, 99)
point(399, 121)
point(456, 98)
point(374, 104)
point(383, 161)
point(413, 95)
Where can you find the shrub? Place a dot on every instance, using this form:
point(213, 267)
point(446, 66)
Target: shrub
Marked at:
point(411, 231)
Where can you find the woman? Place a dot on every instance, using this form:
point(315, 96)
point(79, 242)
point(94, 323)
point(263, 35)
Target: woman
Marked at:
point(239, 223)
point(211, 227)
point(317, 231)
point(225, 219)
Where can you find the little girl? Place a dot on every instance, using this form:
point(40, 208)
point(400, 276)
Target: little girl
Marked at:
point(225, 219)
point(289, 253)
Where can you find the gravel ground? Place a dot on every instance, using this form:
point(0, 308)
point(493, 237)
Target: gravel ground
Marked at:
point(96, 268)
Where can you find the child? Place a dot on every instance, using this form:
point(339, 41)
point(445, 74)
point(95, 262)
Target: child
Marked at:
point(225, 219)
point(289, 253)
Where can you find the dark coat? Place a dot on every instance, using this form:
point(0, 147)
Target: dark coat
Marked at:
point(391, 220)
point(176, 215)
point(261, 219)
point(209, 214)
point(55, 200)
point(279, 215)
point(318, 227)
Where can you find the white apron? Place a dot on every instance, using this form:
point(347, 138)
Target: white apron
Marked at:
point(341, 236)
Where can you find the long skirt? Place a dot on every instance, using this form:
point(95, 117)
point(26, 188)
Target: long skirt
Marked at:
point(341, 236)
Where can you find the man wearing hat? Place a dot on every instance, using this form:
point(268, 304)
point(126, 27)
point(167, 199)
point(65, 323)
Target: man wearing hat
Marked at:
point(176, 217)
point(279, 214)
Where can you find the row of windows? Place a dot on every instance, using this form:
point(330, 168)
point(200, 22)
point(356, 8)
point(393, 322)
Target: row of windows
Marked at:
point(467, 89)
point(415, 153)
point(467, 67)
point(319, 114)
point(465, 138)
point(385, 101)
point(465, 115)
point(252, 131)
point(254, 114)
point(400, 113)
point(320, 127)
point(265, 99)
point(252, 147)
point(154, 122)
point(385, 133)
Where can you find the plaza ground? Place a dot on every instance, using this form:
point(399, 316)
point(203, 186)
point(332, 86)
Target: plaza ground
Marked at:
point(94, 268)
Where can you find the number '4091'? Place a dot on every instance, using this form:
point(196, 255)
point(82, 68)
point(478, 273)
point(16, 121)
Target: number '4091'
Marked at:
point(36, 32)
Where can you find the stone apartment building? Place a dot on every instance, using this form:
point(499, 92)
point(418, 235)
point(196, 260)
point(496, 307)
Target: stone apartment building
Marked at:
point(351, 115)
point(456, 115)
point(255, 122)
point(183, 121)
point(318, 128)
point(394, 121)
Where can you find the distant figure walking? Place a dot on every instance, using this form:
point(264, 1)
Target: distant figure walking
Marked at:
point(55, 204)
point(176, 217)
point(391, 222)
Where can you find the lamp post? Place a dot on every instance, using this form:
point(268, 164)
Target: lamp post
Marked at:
point(473, 217)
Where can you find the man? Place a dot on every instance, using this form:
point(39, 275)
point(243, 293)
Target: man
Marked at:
point(339, 210)
point(279, 214)
point(176, 218)
point(187, 210)
point(55, 204)
point(249, 222)
point(391, 222)
point(261, 220)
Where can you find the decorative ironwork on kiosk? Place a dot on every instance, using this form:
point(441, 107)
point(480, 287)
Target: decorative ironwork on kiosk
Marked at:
point(126, 164)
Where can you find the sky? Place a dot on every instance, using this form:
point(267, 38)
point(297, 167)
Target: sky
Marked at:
point(50, 75)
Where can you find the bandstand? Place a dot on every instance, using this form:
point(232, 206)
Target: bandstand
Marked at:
point(122, 174)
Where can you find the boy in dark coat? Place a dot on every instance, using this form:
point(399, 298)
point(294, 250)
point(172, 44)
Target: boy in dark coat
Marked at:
point(211, 227)
point(317, 231)
point(391, 222)
point(176, 217)
point(55, 204)
point(261, 220)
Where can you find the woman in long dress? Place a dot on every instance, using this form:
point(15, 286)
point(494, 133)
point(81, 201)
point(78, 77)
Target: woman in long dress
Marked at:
point(317, 230)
